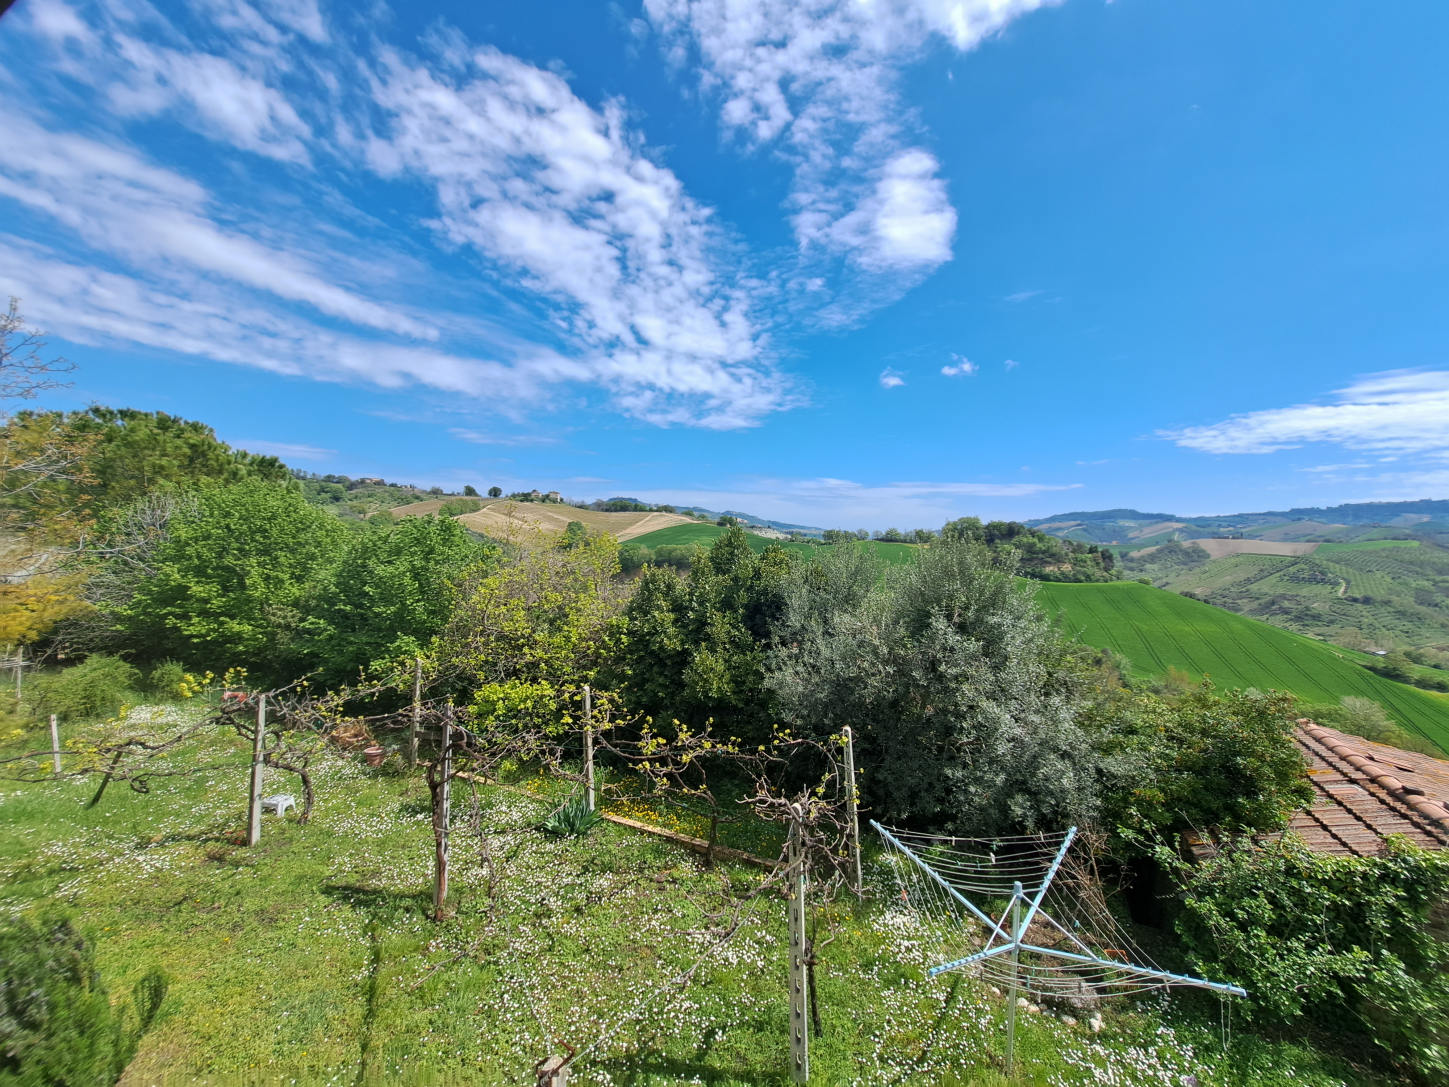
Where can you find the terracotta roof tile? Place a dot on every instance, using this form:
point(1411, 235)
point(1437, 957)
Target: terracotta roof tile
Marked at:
point(1365, 791)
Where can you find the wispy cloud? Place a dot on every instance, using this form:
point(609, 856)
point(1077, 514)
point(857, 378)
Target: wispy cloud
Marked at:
point(817, 83)
point(614, 279)
point(960, 366)
point(1021, 296)
point(1010, 364)
point(479, 437)
point(842, 502)
point(542, 184)
point(891, 379)
point(1397, 411)
point(287, 451)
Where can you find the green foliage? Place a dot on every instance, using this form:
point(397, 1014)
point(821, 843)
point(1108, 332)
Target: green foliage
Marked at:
point(573, 819)
point(470, 491)
point(390, 593)
point(575, 534)
point(524, 635)
point(165, 678)
point(949, 675)
point(694, 648)
point(56, 1023)
point(1154, 630)
point(495, 492)
point(1365, 717)
point(233, 581)
point(457, 507)
point(96, 687)
point(1201, 761)
point(131, 453)
point(1351, 944)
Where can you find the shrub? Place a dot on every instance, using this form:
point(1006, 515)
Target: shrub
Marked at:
point(95, 687)
point(165, 679)
point(57, 1026)
point(1356, 945)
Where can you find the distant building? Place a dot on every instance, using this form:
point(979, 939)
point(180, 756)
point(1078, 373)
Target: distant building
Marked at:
point(535, 494)
point(369, 479)
point(554, 496)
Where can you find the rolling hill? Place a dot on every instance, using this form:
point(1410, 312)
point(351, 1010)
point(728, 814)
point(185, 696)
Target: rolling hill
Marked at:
point(516, 522)
point(697, 532)
point(1156, 630)
point(1379, 593)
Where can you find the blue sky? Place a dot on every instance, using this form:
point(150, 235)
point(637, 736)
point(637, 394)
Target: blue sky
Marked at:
point(842, 263)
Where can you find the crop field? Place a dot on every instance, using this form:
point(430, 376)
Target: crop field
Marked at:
point(1365, 545)
point(1218, 548)
point(517, 522)
point(311, 959)
point(706, 534)
point(1156, 630)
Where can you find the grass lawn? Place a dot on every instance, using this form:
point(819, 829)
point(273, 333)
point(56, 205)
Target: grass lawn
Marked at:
point(310, 959)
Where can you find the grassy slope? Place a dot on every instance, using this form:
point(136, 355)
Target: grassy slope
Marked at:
point(309, 959)
point(1156, 630)
point(706, 534)
point(1372, 587)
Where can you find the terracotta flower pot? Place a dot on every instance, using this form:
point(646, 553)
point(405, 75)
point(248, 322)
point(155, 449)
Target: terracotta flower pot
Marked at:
point(373, 755)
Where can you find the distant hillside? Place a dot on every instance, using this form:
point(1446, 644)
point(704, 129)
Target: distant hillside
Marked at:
point(1129, 528)
point(518, 522)
point(1379, 594)
point(1155, 630)
point(749, 519)
point(676, 542)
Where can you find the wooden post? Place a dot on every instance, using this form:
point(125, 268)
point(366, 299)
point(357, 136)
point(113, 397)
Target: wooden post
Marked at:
point(850, 807)
point(19, 668)
point(54, 744)
point(552, 1072)
point(799, 1029)
point(440, 819)
point(589, 746)
point(254, 809)
point(417, 712)
point(1011, 993)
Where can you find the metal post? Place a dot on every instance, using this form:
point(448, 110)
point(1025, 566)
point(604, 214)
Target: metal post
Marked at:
point(440, 820)
point(799, 1030)
point(589, 746)
point(1015, 964)
point(850, 802)
point(54, 744)
point(254, 809)
point(417, 712)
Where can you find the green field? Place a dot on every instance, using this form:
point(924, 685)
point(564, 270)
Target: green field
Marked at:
point(1156, 630)
point(706, 534)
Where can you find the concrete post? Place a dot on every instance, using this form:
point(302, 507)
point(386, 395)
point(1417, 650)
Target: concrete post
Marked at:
point(54, 744)
point(799, 1027)
point(254, 809)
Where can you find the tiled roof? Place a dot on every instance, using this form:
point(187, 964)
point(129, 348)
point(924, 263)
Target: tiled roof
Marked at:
point(1364, 791)
point(1367, 791)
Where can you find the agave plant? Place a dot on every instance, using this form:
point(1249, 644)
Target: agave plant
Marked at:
point(573, 819)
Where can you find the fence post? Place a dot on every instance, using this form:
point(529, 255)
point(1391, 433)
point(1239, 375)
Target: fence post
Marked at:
point(19, 668)
point(589, 746)
point(850, 806)
point(54, 744)
point(799, 1029)
point(417, 712)
point(440, 819)
point(1016, 935)
point(254, 808)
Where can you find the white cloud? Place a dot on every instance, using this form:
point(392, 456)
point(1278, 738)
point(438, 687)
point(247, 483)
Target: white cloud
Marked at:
point(287, 451)
point(544, 186)
point(816, 81)
point(1397, 411)
point(1011, 364)
point(479, 437)
point(1021, 296)
point(846, 503)
point(146, 215)
point(891, 379)
point(961, 366)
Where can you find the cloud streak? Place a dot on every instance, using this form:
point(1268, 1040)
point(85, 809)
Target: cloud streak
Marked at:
point(1397, 411)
